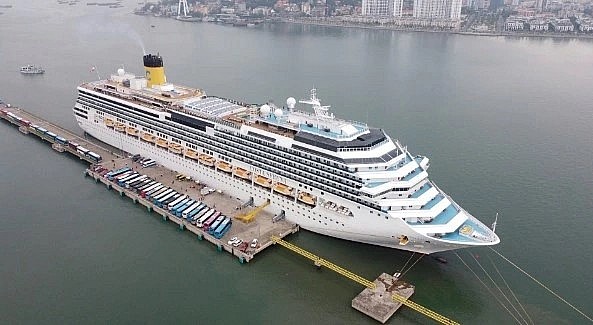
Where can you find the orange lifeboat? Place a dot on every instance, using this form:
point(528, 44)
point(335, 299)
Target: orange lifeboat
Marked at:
point(148, 137)
point(283, 189)
point(132, 131)
point(109, 122)
point(191, 153)
point(120, 127)
point(307, 198)
point(175, 148)
point(263, 181)
point(160, 142)
point(242, 173)
point(224, 166)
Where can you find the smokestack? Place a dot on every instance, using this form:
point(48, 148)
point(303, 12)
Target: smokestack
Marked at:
point(155, 73)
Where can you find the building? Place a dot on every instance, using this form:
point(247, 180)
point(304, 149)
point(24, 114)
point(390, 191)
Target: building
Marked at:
point(514, 24)
point(437, 9)
point(538, 25)
point(540, 5)
point(398, 8)
point(563, 25)
point(585, 25)
point(378, 8)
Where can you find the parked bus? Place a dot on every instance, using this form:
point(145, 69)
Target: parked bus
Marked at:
point(212, 226)
point(169, 200)
point(151, 196)
point(71, 144)
point(182, 208)
point(190, 209)
point(138, 178)
point(222, 228)
point(94, 157)
point(80, 149)
point(174, 203)
point(209, 221)
point(205, 216)
point(150, 189)
point(147, 184)
point(148, 163)
point(41, 130)
point(122, 181)
point(122, 176)
point(162, 195)
point(162, 198)
point(179, 205)
point(193, 216)
point(51, 135)
point(117, 172)
point(61, 140)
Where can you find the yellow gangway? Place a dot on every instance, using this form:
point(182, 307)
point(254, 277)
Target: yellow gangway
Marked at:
point(248, 217)
point(369, 284)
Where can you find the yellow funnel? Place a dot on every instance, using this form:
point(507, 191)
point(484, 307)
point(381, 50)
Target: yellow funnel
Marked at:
point(155, 73)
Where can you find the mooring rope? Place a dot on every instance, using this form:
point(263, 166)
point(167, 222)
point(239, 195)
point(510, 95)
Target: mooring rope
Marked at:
point(543, 286)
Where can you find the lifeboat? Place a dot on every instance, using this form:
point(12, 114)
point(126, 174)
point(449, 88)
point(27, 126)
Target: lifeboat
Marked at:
point(262, 181)
point(148, 137)
point(132, 131)
point(206, 160)
point(109, 122)
point(120, 127)
point(283, 189)
point(224, 166)
point(175, 148)
point(306, 198)
point(160, 142)
point(242, 173)
point(191, 153)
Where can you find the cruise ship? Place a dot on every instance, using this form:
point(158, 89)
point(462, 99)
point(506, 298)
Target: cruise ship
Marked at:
point(331, 176)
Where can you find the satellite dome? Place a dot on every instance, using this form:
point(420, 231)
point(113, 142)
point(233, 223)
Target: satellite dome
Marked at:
point(278, 112)
point(290, 102)
point(265, 109)
point(121, 72)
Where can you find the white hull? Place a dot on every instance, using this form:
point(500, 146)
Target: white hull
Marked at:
point(363, 226)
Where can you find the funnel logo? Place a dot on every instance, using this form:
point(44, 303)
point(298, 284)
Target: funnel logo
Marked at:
point(147, 75)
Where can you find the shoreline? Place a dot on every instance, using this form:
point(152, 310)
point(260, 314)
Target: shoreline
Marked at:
point(412, 30)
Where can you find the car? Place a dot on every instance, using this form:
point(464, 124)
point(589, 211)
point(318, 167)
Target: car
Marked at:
point(253, 243)
point(233, 240)
point(237, 243)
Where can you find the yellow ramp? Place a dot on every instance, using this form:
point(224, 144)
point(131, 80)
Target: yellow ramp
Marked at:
point(357, 278)
point(248, 217)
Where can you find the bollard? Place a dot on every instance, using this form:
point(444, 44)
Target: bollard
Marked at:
point(200, 237)
point(219, 247)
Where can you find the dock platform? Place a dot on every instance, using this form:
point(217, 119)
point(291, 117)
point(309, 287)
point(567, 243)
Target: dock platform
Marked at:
point(262, 228)
point(378, 303)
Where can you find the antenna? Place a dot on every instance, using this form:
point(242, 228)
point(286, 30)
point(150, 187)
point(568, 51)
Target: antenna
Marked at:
point(494, 223)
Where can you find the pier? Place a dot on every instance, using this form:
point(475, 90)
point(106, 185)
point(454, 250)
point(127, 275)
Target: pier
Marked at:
point(380, 299)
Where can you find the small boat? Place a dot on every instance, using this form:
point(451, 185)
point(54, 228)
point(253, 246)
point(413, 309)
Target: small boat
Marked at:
point(191, 153)
point(32, 69)
point(240, 172)
point(262, 181)
point(306, 198)
point(162, 143)
point(148, 137)
point(283, 189)
point(175, 148)
point(225, 167)
point(130, 130)
point(206, 160)
point(120, 127)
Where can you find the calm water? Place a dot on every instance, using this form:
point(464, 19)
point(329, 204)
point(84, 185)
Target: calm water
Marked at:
point(506, 122)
